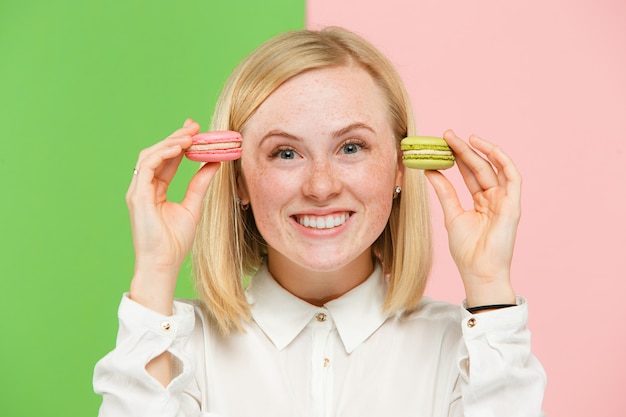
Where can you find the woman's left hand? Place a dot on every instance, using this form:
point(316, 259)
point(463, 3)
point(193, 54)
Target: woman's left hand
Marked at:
point(482, 239)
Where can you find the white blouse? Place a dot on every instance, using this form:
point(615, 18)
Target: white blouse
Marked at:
point(344, 359)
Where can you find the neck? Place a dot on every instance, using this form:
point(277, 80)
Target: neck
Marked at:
point(319, 287)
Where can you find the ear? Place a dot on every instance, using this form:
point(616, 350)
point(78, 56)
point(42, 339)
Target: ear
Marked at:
point(242, 189)
point(399, 170)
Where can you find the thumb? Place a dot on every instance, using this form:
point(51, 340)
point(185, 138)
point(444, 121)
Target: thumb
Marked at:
point(198, 187)
point(446, 194)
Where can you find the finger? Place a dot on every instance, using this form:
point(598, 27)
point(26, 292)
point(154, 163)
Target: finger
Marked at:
point(510, 177)
point(477, 172)
point(507, 171)
point(189, 128)
point(146, 169)
point(181, 137)
point(165, 172)
point(468, 176)
point(197, 188)
point(446, 194)
point(144, 188)
point(160, 161)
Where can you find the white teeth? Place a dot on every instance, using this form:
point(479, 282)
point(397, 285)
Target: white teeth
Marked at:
point(323, 222)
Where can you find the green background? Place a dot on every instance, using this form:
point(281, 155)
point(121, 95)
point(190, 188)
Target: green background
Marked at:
point(84, 85)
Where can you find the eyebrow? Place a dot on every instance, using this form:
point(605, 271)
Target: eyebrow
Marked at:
point(278, 132)
point(353, 126)
point(336, 134)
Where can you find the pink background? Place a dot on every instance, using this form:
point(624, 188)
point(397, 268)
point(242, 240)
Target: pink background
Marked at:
point(546, 80)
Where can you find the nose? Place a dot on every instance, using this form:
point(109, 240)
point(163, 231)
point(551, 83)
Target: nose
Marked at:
point(322, 181)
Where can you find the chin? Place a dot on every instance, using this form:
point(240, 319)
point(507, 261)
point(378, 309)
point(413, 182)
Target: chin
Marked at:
point(331, 262)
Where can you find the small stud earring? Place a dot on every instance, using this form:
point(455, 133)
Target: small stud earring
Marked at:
point(242, 206)
point(397, 191)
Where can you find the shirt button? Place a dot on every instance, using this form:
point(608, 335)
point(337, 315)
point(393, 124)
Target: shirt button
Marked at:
point(471, 322)
point(166, 326)
point(321, 317)
point(326, 362)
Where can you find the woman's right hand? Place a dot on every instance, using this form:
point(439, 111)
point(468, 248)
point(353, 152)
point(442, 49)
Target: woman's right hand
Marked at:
point(163, 231)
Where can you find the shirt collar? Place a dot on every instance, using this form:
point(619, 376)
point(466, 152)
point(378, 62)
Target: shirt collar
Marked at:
point(282, 316)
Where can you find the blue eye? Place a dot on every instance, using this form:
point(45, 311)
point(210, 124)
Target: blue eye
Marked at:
point(287, 154)
point(351, 148)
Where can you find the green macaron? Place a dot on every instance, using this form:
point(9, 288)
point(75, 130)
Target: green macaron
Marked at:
point(426, 152)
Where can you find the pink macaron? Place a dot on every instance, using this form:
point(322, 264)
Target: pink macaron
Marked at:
point(215, 146)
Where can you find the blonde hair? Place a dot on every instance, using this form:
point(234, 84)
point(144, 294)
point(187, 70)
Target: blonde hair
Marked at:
point(228, 246)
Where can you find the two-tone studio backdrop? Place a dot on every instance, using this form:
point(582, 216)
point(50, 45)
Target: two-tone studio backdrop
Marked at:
point(85, 85)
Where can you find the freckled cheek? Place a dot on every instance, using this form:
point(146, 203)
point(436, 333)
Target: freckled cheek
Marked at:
point(263, 203)
point(270, 197)
point(267, 182)
point(378, 193)
point(381, 177)
point(382, 214)
point(381, 200)
point(269, 191)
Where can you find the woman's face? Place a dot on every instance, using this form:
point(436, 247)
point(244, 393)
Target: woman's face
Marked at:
point(319, 167)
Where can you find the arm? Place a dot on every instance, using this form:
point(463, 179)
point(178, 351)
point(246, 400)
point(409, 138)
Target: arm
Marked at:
point(498, 373)
point(121, 378)
point(163, 231)
point(154, 330)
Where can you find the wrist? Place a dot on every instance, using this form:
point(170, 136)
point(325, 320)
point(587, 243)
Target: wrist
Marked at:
point(154, 291)
point(495, 293)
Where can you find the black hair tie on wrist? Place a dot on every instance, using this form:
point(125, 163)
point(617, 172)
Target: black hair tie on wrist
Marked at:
point(489, 307)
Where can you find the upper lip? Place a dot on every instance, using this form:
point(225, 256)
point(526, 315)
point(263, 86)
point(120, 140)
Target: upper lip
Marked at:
point(322, 212)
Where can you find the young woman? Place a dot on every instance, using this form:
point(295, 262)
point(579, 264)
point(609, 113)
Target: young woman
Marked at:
point(335, 234)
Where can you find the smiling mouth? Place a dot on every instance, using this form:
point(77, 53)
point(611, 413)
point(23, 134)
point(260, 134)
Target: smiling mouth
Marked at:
point(323, 222)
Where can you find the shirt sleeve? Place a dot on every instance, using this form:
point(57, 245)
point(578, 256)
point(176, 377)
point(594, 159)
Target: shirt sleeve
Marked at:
point(121, 378)
point(498, 374)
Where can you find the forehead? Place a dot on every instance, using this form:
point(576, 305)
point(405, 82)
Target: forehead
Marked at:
point(330, 97)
